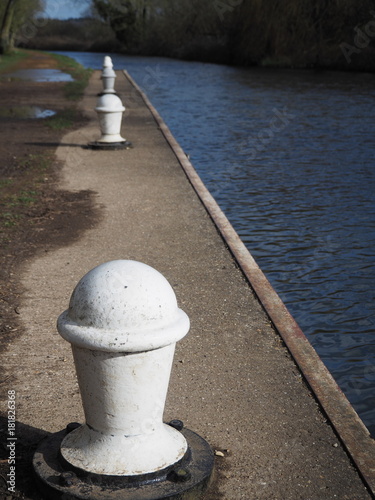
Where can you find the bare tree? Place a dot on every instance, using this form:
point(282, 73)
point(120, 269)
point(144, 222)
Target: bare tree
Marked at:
point(6, 24)
point(12, 16)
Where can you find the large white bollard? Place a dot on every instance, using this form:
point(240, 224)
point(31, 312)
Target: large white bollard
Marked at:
point(123, 323)
point(108, 76)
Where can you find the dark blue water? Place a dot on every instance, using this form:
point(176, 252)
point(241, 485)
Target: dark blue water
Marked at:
point(290, 158)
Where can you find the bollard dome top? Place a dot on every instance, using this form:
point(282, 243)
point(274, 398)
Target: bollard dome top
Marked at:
point(108, 71)
point(123, 306)
point(107, 62)
point(109, 103)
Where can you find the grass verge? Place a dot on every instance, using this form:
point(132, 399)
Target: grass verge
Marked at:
point(20, 193)
point(21, 190)
point(63, 119)
point(73, 90)
point(10, 60)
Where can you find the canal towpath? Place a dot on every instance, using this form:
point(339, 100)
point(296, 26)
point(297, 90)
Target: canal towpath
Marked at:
point(233, 381)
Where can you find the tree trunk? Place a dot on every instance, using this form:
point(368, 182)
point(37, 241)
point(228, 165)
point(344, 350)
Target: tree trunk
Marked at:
point(5, 33)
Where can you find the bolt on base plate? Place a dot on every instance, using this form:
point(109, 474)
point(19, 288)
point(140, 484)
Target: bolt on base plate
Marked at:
point(109, 146)
point(187, 479)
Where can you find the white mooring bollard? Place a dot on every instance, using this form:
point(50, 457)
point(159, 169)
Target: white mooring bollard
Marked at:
point(123, 323)
point(110, 109)
point(108, 76)
point(123, 307)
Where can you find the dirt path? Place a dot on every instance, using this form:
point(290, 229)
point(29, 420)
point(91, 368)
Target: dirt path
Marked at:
point(34, 213)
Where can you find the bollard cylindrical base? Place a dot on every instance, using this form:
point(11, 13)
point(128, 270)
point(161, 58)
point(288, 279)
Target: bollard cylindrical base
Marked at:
point(186, 479)
point(109, 146)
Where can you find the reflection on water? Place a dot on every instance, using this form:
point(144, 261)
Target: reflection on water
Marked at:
point(41, 75)
point(24, 112)
point(290, 158)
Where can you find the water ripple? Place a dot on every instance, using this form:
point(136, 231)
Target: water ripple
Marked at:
point(289, 156)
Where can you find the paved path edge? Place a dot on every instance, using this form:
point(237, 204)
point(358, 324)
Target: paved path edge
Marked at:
point(350, 429)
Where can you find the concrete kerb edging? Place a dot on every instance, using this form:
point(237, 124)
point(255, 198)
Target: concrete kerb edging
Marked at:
point(349, 427)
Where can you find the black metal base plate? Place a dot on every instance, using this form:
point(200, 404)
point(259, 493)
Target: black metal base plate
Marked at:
point(109, 146)
point(189, 479)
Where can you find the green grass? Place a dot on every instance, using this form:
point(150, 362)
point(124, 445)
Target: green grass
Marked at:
point(63, 119)
point(5, 183)
point(7, 61)
point(73, 90)
point(13, 207)
point(27, 198)
point(21, 192)
point(9, 219)
point(38, 164)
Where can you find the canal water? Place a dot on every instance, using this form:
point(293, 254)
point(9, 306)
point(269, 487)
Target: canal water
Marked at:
point(289, 156)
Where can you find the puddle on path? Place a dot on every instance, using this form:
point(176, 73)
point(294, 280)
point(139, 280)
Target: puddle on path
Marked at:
point(23, 112)
point(41, 75)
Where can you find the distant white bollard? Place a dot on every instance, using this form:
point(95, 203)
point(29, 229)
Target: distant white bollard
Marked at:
point(123, 323)
point(110, 109)
point(108, 76)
